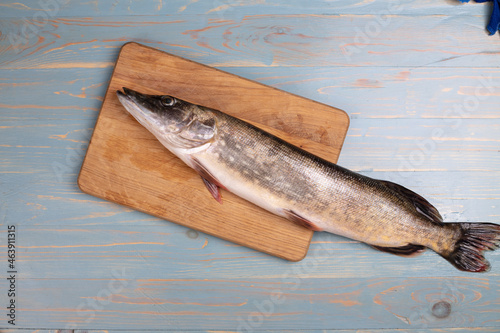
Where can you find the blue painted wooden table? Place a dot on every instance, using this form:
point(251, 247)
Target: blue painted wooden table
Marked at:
point(419, 79)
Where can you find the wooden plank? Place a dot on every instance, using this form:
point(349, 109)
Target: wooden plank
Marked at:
point(126, 164)
point(422, 330)
point(384, 330)
point(36, 331)
point(366, 92)
point(155, 249)
point(258, 40)
point(393, 92)
point(290, 303)
point(226, 9)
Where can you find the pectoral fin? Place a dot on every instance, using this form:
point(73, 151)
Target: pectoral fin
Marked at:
point(213, 189)
point(294, 217)
point(406, 251)
point(212, 184)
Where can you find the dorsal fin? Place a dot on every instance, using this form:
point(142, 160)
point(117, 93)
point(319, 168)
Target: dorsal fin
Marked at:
point(422, 206)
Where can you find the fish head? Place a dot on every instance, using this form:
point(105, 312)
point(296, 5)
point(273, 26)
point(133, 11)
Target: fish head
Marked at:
point(160, 112)
point(176, 123)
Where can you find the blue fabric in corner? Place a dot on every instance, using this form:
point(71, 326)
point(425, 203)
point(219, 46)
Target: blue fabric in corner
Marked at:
point(494, 24)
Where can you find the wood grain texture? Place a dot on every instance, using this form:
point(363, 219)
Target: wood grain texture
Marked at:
point(384, 330)
point(11, 8)
point(388, 93)
point(430, 57)
point(288, 303)
point(255, 40)
point(127, 165)
point(167, 250)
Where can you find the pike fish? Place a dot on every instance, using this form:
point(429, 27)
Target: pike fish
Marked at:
point(234, 155)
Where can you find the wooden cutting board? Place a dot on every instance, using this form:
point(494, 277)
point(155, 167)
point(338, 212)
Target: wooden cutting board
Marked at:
point(127, 165)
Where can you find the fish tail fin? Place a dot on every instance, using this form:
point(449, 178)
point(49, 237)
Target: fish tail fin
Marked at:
point(468, 254)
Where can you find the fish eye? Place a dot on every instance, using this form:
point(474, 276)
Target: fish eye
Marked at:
point(167, 101)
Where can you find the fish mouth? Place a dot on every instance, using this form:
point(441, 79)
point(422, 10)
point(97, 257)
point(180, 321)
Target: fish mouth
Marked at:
point(137, 104)
point(130, 95)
